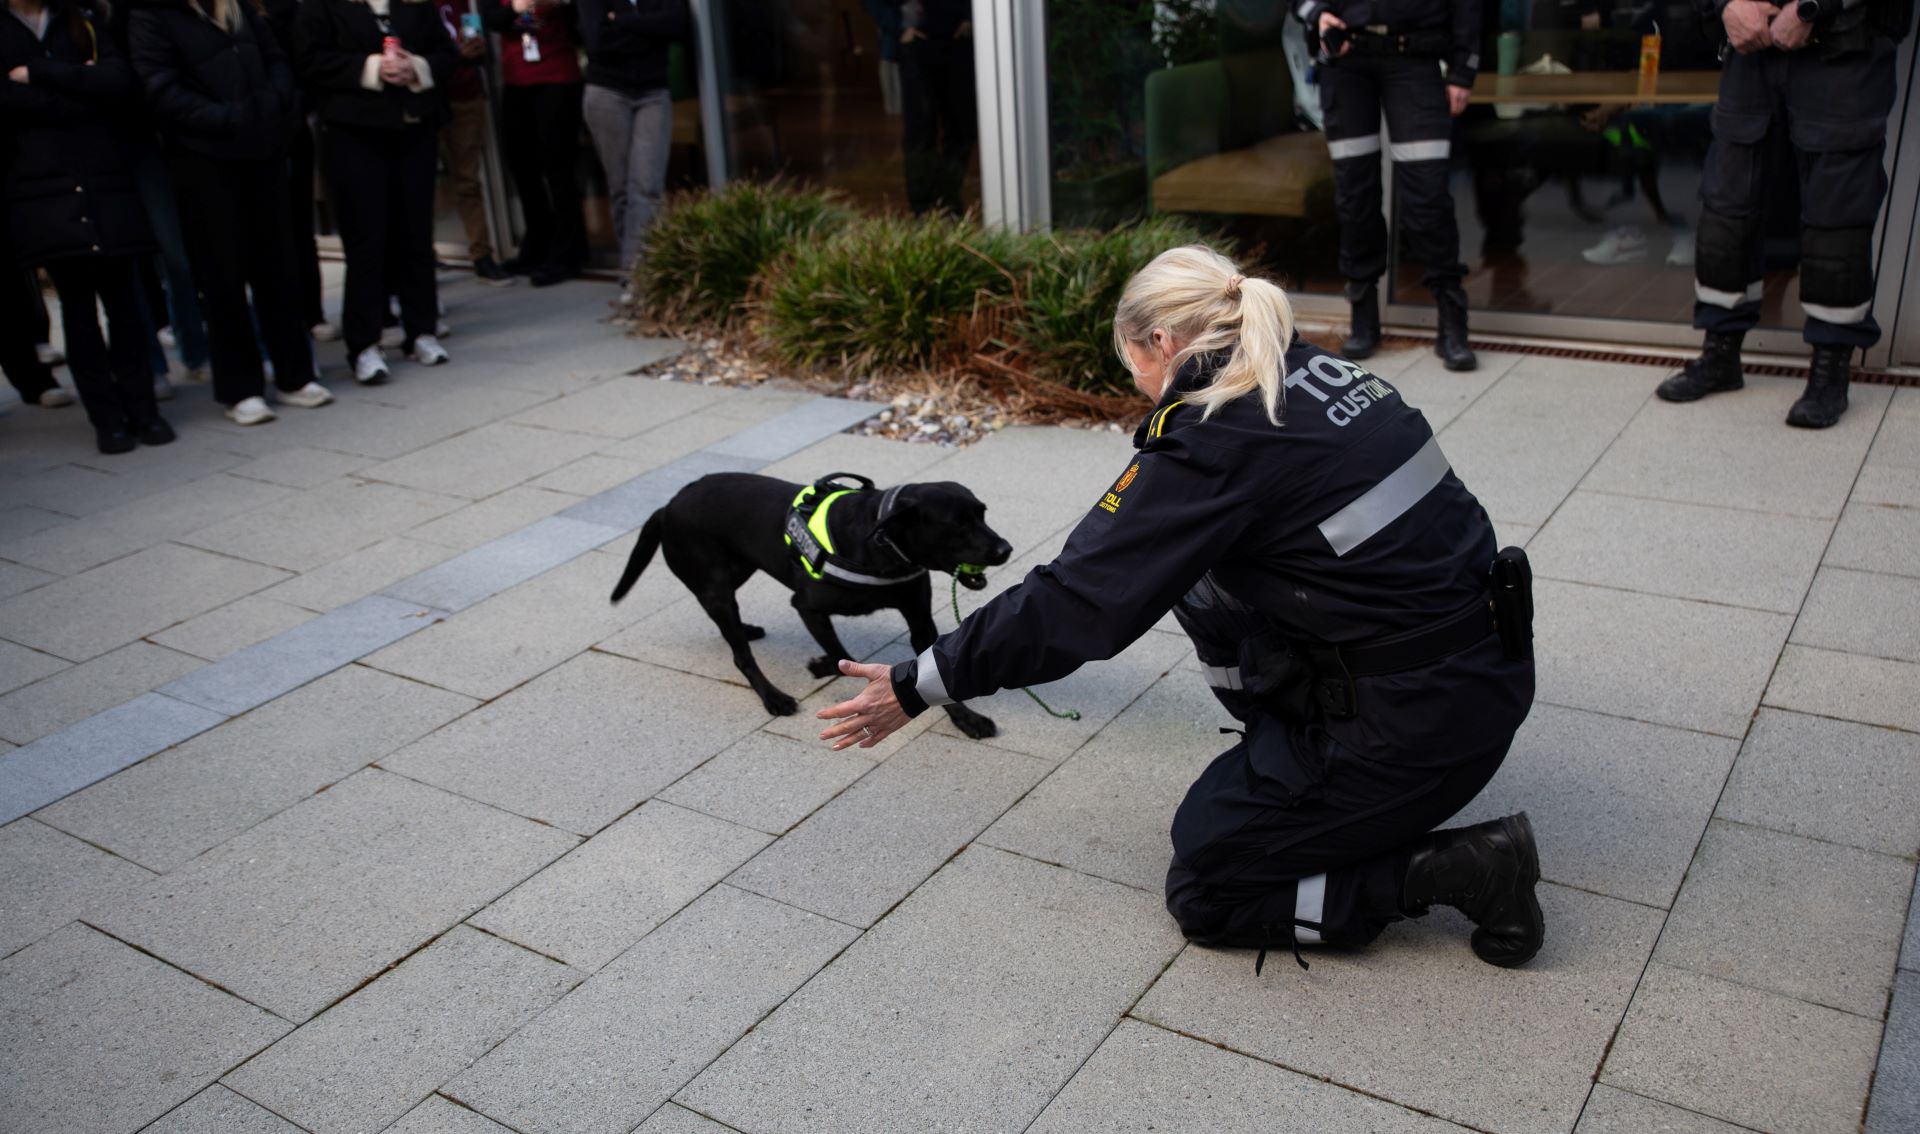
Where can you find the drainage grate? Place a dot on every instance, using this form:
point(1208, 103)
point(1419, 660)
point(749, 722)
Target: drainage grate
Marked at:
point(1769, 369)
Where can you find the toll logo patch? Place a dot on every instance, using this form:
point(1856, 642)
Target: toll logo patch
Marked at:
point(1111, 501)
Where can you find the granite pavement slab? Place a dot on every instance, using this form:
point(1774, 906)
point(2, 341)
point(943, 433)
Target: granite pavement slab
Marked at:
point(874, 843)
point(218, 1110)
point(300, 467)
point(353, 577)
point(675, 1119)
point(1416, 1018)
point(96, 1038)
point(590, 475)
point(15, 579)
point(768, 782)
point(1859, 612)
point(1147, 1078)
point(805, 725)
point(623, 407)
point(617, 1047)
point(1438, 393)
point(583, 743)
point(21, 666)
point(68, 695)
point(795, 429)
point(490, 459)
point(139, 524)
point(439, 1116)
point(368, 1060)
point(169, 808)
point(322, 524)
point(1829, 684)
point(1834, 780)
point(1613, 1111)
point(297, 912)
point(1750, 1057)
point(883, 461)
point(231, 628)
point(612, 890)
point(498, 515)
point(967, 1008)
point(48, 878)
point(1877, 537)
point(1895, 1105)
point(496, 565)
point(59, 763)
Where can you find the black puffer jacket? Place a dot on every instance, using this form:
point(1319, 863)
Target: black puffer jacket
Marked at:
point(224, 95)
point(332, 42)
point(63, 138)
point(627, 41)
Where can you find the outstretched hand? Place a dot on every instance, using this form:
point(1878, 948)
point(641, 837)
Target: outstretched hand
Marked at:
point(869, 717)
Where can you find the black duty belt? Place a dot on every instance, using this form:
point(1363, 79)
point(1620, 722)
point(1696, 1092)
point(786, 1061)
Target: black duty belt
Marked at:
point(1377, 39)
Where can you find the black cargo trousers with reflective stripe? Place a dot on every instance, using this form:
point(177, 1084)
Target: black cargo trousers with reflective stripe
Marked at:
point(1354, 89)
point(1834, 114)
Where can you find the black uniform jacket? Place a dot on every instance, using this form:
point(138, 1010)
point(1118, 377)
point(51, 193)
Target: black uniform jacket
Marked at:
point(1342, 525)
point(223, 95)
point(1460, 18)
point(64, 135)
point(627, 41)
point(331, 42)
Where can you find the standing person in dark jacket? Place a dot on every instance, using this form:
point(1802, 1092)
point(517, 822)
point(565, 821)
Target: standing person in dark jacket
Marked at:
point(71, 205)
point(1380, 55)
point(540, 130)
point(305, 254)
point(938, 98)
point(222, 91)
point(378, 69)
point(627, 108)
point(1300, 520)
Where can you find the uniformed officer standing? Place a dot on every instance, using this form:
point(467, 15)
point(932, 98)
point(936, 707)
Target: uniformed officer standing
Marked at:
point(1822, 70)
point(1344, 595)
point(1385, 55)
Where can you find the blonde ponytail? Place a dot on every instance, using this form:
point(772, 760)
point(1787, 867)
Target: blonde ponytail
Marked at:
point(1200, 299)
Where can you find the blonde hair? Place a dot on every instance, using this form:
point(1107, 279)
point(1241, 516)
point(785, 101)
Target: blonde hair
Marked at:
point(1198, 296)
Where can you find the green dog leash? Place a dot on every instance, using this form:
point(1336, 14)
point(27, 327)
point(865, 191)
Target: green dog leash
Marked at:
point(972, 569)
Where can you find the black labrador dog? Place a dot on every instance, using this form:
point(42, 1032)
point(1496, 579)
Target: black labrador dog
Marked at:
point(723, 527)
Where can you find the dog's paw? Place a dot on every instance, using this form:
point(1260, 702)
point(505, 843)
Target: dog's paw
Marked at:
point(824, 666)
point(972, 724)
point(779, 704)
point(754, 633)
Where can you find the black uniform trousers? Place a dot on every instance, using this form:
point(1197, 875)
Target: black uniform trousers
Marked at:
point(111, 373)
point(540, 138)
point(234, 217)
point(1835, 114)
point(938, 100)
point(382, 184)
point(23, 316)
point(304, 253)
point(1353, 91)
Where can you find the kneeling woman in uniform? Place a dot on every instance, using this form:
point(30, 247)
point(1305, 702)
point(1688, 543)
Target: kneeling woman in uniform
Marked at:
point(1345, 595)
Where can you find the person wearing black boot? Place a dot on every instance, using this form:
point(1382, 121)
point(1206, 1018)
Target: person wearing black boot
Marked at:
point(1346, 602)
point(1823, 71)
point(1382, 55)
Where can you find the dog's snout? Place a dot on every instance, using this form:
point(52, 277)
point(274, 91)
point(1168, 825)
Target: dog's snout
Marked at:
point(1002, 551)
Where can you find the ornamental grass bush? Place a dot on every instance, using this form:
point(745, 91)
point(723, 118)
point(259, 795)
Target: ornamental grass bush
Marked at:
point(707, 251)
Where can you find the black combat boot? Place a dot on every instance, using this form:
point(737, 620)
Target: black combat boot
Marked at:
point(1487, 872)
point(1365, 338)
point(1715, 371)
point(1451, 345)
point(1826, 396)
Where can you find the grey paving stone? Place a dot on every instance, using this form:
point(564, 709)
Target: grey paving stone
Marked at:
point(1886, 484)
point(217, 1110)
point(1437, 392)
point(300, 910)
point(15, 579)
point(498, 644)
point(1826, 779)
point(587, 908)
point(883, 461)
point(19, 522)
point(1860, 613)
point(1910, 947)
point(1750, 897)
point(498, 515)
point(77, 692)
point(368, 1060)
point(167, 809)
point(294, 657)
point(579, 746)
point(438, 1116)
point(354, 577)
point(1657, 659)
point(695, 431)
point(59, 763)
point(241, 623)
point(323, 524)
point(1874, 537)
point(1107, 810)
point(505, 562)
point(1744, 1055)
point(48, 878)
point(966, 1009)
point(490, 459)
point(675, 1119)
point(1408, 1009)
point(1618, 805)
point(590, 475)
point(628, 505)
point(1829, 684)
point(363, 427)
point(805, 726)
point(1737, 454)
point(1146, 1078)
point(622, 1043)
point(75, 490)
point(622, 407)
point(161, 516)
point(83, 616)
point(1614, 1111)
point(860, 854)
point(797, 428)
point(97, 1039)
point(1895, 1106)
point(768, 782)
point(300, 467)
point(1684, 550)
point(21, 666)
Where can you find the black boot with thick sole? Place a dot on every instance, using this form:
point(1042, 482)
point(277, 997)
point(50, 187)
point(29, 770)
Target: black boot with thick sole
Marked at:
point(1451, 344)
point(1826, 395)
point(1488, 872)
point(1365, 336)
point(1716, 371)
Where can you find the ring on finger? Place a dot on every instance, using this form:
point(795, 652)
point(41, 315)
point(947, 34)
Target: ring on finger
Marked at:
point(866, 731)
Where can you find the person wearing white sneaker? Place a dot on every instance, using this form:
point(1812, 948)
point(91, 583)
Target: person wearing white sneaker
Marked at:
point(310, 396)
point(54, 398)
point(251, 411)
point(370, 367)
point(427, 351)
point(1622, 245)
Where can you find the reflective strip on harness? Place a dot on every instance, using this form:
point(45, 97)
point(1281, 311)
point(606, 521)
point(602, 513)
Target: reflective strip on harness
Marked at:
point(834, 570)
point(1223, 676)
point(1387, 501)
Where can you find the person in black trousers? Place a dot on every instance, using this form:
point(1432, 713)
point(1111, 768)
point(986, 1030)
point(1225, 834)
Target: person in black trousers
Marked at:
point(937, 94)
point(300, 195)
point(20, 304)
point(71, 205)
point(222, 92)
point(540, 102)
point(377, 68)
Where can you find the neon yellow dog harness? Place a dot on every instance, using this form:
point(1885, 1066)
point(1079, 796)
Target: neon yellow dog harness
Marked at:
point(812, 540)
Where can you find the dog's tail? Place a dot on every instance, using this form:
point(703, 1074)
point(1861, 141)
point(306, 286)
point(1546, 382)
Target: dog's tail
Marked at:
point(643, 550)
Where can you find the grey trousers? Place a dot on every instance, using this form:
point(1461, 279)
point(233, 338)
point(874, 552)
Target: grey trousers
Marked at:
point(632, 134)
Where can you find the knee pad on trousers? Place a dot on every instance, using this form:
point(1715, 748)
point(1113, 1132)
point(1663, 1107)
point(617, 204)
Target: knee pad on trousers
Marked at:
point(1836, 268)
point(1723, 251)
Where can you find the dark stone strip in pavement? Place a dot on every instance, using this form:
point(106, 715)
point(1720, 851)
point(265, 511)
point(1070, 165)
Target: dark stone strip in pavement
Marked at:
point(62, 762)
point(499, 564)
point(1895, 1105)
